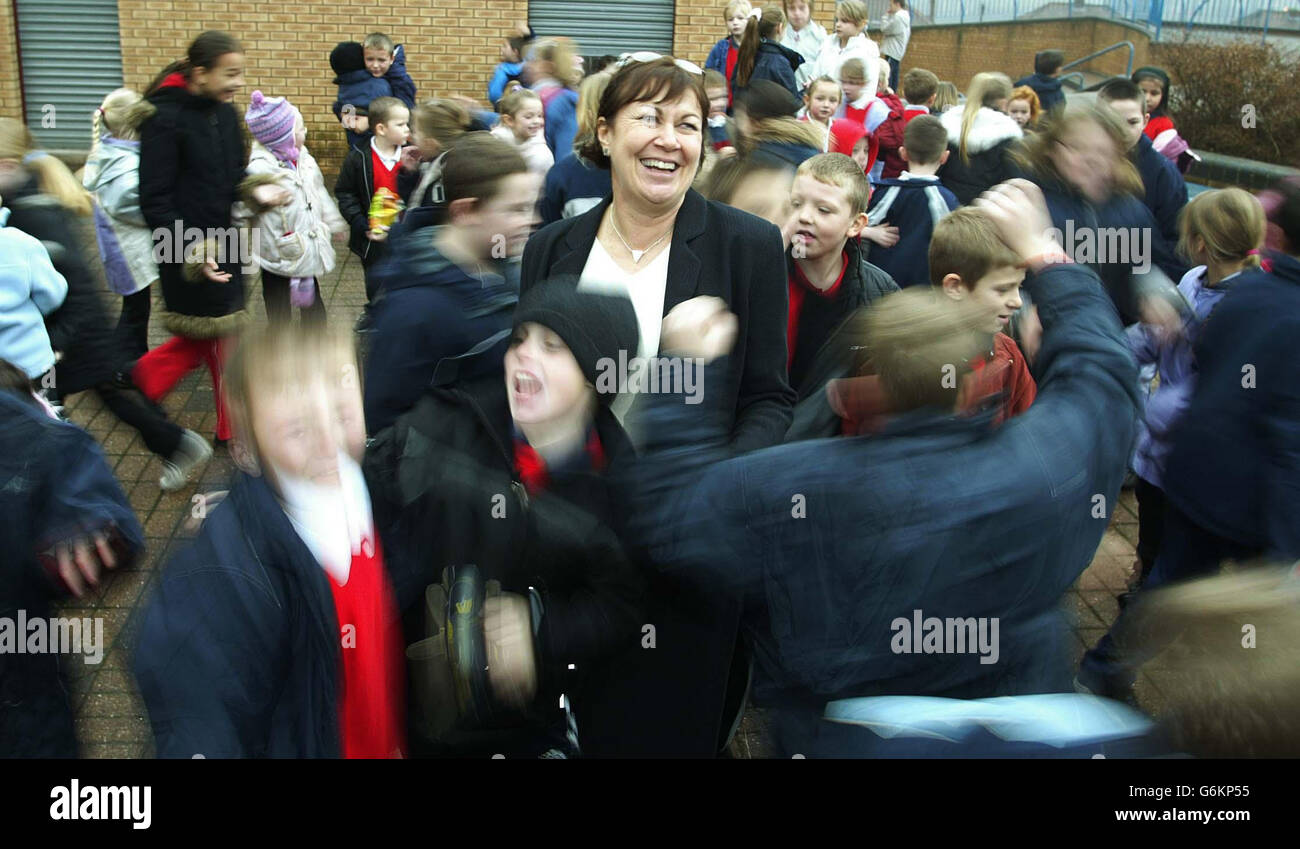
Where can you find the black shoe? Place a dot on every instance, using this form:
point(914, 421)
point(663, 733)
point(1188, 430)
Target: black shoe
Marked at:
point(366, 323)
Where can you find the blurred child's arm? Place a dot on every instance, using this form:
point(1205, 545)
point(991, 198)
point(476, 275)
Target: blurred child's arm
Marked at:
point(399, 80)
point(47, 286)
point(87, 524)
point(497, 85)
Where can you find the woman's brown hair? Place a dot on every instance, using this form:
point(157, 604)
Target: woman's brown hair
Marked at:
point(658, 80)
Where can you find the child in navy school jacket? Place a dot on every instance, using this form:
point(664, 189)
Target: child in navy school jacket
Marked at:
point(913, 202)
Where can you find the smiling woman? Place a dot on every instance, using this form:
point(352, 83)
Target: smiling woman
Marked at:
point(662, 243)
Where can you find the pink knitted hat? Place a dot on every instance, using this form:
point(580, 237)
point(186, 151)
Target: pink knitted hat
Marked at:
point(271, 121)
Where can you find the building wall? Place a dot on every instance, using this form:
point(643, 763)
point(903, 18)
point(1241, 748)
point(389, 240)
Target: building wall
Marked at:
point(448, 49)
point(11, 98)
point(959, 52)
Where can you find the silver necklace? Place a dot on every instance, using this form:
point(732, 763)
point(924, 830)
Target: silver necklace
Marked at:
point(636, 255)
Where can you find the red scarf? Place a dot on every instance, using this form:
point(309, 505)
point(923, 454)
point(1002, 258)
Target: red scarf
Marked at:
point(532, 469)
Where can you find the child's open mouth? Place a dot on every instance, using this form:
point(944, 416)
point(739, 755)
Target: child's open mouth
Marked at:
point(526, 385)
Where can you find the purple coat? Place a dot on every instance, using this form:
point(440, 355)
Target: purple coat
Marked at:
point(1176, 367)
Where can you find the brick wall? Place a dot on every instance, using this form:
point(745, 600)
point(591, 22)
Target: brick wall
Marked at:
point(11, 99)
point(449, 47)
point(958, 53)
point(697, 26)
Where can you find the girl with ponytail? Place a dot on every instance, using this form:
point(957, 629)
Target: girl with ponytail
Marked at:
point(193, 169)
point(112, 175)
point(980, 137)
point(762, 56)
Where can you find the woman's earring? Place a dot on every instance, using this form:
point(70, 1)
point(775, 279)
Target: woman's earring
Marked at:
point(605, 151)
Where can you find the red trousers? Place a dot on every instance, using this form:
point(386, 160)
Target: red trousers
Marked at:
point(162, 368)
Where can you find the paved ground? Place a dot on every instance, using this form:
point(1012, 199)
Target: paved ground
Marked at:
point(111, 721)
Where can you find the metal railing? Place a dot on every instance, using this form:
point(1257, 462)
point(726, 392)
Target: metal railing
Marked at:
point(1248, 16)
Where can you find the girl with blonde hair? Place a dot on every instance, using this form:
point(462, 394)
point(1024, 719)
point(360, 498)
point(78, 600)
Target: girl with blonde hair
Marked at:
point(980, 136)
point(112, 175)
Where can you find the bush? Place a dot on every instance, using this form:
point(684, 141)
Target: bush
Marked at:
point(1217, 87)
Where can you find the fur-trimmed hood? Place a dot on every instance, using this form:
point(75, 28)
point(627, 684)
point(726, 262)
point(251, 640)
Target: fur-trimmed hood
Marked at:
point(990, 129)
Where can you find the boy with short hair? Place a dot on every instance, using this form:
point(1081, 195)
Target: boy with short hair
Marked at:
point(1045, 80)
point(914, 202)
point(970, 262)
point(453, 286)
point(1165, 191)
point(276, 633)
point(920, 87)
point(363, 174)
point(364, 72)
point(971, 269)
point(803, 35)
point(829, 280)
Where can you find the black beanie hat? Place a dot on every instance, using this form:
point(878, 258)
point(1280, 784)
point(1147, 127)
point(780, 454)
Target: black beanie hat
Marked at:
point(594, 325)
point(348, 56)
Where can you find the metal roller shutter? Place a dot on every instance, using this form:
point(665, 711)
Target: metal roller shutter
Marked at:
point(606, 26)
point(71, 56)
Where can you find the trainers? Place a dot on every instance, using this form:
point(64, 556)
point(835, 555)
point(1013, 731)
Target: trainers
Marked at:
point(193, 451)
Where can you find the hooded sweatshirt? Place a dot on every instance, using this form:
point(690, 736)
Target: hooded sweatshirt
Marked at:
point(1047, 88)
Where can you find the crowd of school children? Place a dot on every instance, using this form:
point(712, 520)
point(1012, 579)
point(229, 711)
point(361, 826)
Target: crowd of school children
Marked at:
point(890, 368)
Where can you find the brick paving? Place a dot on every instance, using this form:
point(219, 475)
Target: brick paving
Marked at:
point(111, 720)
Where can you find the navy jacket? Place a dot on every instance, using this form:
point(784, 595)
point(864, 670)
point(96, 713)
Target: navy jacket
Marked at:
point(573, 186)
point(54, 485)
point(440, 473)
point(834, 540)
point(237, 651)
point(719, 251)
point(914, 206)
point(1074, 214)
point(775, 62)
point(1235, 464)
point(1166, 192)
point(431, 310)
point(1047, 88)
